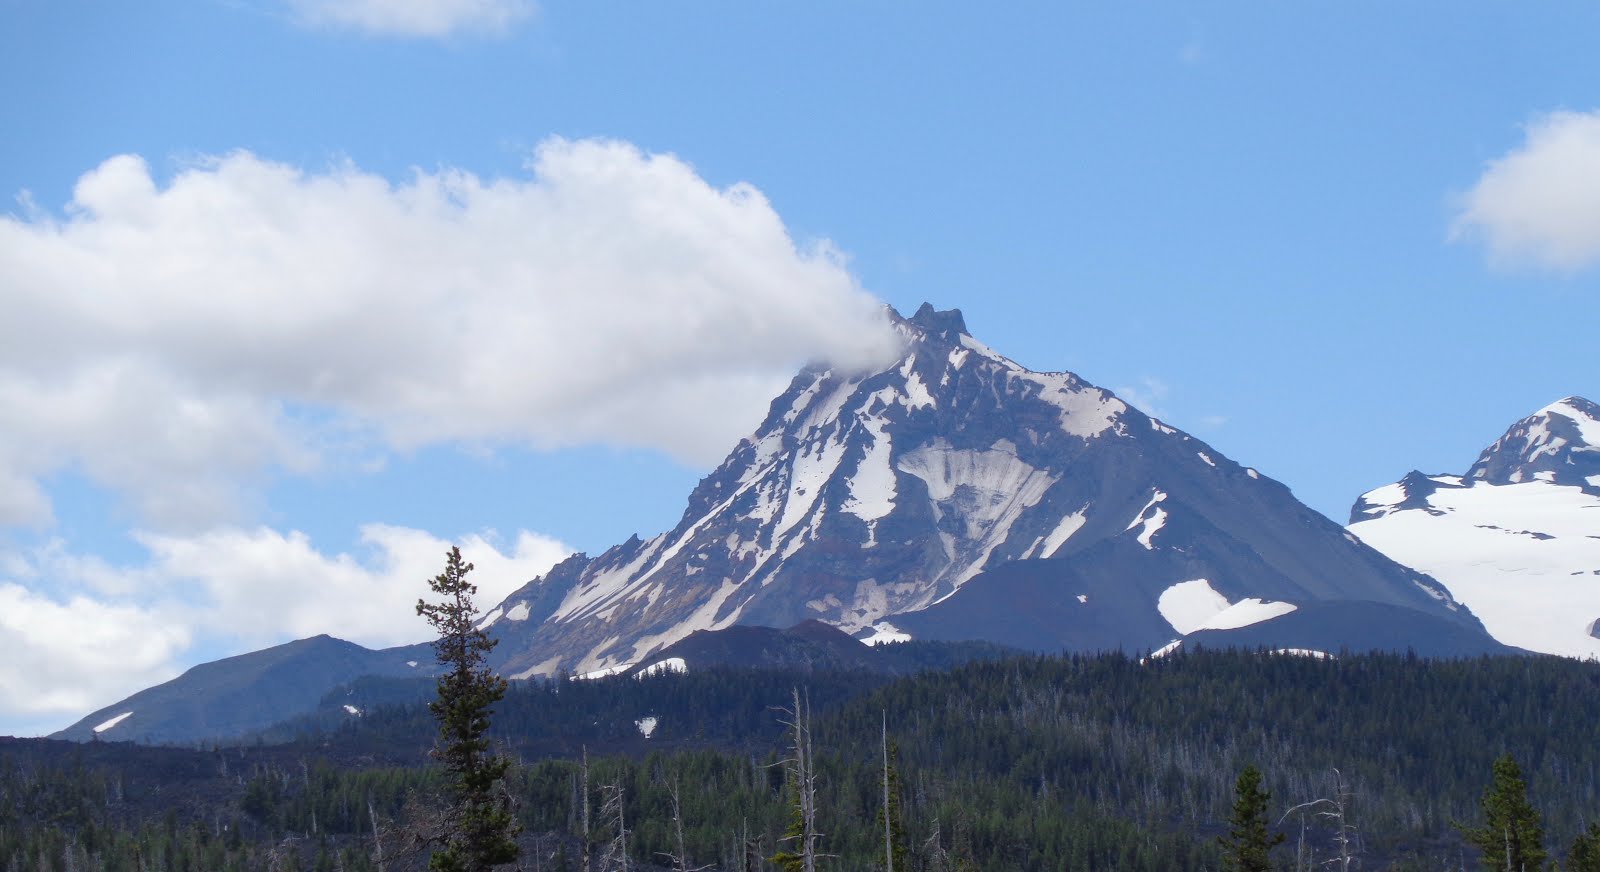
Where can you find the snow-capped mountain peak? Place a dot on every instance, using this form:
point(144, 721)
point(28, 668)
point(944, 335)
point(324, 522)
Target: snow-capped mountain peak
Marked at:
point(1515, 537)
point(892, 492)
point(1559, 444)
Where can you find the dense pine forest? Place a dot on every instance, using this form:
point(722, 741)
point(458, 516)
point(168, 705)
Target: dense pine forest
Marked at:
point(1074, 763)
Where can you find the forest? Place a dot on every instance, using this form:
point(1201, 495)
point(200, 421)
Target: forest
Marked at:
point(1104, 762)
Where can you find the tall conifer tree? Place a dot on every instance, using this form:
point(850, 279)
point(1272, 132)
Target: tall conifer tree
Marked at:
point(480, 832)
point(1512, 835)
point(1248, 846)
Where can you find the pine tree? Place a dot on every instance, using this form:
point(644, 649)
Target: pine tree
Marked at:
point(889, 822)
point(1248, 846)
point(1584, 855)
point(480, 831)
point(1512, 835)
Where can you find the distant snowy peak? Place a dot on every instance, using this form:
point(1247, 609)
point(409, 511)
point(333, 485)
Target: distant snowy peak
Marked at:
point(1517, 539)
point(1559, 444)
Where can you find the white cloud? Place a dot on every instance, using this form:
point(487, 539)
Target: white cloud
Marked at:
point(174, 341)
point(124, 628)
point(1540, 203)
point(61, 656)
point(414, 18)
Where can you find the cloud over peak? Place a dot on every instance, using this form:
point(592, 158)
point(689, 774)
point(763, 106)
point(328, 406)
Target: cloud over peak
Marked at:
point(174, 340)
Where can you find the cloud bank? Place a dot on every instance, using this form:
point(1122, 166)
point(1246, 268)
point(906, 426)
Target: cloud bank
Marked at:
point(414, 18)
point(124, 628)
point(177, 341)
point(1539, 204)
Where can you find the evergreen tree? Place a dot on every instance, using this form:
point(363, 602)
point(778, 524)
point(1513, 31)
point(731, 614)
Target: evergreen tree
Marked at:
point(479, 831)
point(1584, 855)
point(889, 817)
point(1248, 846)
point(1512, 835)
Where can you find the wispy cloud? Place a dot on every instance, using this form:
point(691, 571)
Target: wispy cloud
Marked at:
point(1147, 396)
point(175, 342)
point(1539, 204)
point(414, 18)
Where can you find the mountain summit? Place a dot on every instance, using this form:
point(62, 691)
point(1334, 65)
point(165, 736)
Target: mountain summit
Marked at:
point(1559, 444)
point(1516, 536)
point(957, 494)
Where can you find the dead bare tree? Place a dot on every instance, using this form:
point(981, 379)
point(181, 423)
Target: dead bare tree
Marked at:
point(1335, 812)
point(583, 818)
point(613, 813)
point(679, 859)
point(803, 775)
point(377, 835)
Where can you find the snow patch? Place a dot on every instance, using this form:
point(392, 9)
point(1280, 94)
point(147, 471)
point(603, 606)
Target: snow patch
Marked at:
point(1245, 612)
point(519, 612)
point(1152, 523)
point(112, 722)
point(917, 394)
point(1086, 412)
point(671, 664)
point(883, 632)
point(646, 726)
point(1388, 496)
point(1083, 598)
point(1163, 651)
point(872, 487)
point(1475, 541)
point(352, 710)
point(1187, 605)
point(489, 619)
point(1064, 529)
point(1305, 652)
point(809, 471)
point(1206, 457)
point(411, 663)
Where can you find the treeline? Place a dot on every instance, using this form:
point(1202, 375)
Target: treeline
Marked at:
point(1087, 762)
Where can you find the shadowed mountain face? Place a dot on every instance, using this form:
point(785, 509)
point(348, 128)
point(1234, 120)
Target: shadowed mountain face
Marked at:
point(1517, 537)
point(951, 495)
point(236, 695)
point(955, 494)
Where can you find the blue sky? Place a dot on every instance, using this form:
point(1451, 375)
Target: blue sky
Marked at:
point(301, 290)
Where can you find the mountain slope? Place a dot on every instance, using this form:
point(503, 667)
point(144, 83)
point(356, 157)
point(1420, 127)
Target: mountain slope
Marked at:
point(866, 500)
point(236, 695)
point(1517, 538)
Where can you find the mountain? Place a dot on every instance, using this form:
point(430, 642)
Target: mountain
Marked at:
point(1517, 538)
point(238, 695)
point(955, 494)
point(952, 495)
